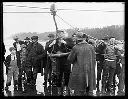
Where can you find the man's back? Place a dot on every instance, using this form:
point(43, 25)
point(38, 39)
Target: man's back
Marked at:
point(85, 53)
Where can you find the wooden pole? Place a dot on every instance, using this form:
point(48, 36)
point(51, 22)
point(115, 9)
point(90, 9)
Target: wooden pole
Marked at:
point(55, 24)
point(53, 12)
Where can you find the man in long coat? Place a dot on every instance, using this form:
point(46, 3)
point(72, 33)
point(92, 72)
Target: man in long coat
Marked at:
point(34, 55)
point(83, 59)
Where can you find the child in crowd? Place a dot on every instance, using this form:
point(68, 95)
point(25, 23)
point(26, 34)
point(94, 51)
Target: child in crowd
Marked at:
point(12, 70)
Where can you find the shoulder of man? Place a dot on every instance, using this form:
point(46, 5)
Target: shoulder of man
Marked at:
point(8, 57)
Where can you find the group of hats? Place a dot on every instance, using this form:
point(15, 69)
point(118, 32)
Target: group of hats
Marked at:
point(27, 38)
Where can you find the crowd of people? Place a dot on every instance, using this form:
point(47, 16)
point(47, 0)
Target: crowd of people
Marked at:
point(69, 64)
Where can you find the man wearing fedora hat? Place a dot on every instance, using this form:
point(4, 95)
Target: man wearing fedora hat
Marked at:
point(34, 55)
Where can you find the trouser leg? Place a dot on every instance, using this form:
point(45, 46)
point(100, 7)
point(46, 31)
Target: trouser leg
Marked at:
point(29, 74)
point(35, 71)
point(99, 71)
point(19, 78)
point(105, 76)
point(111, 75)
point(9, 77)
point(66, 78)
point(45, 75)
point(59, 80)
point(121, 81)
point(16, 78)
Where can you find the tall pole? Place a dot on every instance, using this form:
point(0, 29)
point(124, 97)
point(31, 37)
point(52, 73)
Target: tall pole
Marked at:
point(53, 12)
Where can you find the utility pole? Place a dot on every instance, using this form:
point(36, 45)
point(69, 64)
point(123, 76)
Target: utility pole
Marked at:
point(53, 12)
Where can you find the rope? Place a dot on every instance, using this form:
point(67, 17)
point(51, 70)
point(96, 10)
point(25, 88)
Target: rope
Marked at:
point(74, 27)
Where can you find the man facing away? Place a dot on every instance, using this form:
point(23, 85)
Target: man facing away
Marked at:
point(83, 59)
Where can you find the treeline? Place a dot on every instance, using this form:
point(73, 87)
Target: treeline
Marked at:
point(115, 30)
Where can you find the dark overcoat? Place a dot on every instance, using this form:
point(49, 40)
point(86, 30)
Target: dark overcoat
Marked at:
point(83, 59)
point(35, 54)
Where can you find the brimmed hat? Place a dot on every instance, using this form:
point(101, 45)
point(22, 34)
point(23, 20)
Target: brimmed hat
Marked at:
point(51, 35)
point(16, 38)
point(27, 38)
point(12, 48)
point(34, 37)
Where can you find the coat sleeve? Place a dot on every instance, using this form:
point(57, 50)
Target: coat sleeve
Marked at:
point(42, 52)
point(7, 61)
point(72, 55)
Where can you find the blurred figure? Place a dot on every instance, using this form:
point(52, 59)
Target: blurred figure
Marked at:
point(63, 68)
point(34, 56)
point(100, 51)
point(120, 72)
point(12, 62)
point(27, 41)
point(110, 67)
point(48, 67)
point(82, 56)
point(17, 44)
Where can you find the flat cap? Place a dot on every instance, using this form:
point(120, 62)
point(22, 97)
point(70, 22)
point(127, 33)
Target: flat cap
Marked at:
point(12, 48)
point(51, 35)
point(27, 38)
point(34, 37)
point(16, 38)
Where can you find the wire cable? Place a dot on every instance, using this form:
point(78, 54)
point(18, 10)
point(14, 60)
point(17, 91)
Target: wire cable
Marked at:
point(26, 12)
point(27, 7)
point(62, 9)
point(65, 21)
point(75, 28)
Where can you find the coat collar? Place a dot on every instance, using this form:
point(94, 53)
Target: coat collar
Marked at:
point(83, 42)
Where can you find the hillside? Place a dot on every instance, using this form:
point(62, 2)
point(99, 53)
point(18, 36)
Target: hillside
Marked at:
point(114, 30)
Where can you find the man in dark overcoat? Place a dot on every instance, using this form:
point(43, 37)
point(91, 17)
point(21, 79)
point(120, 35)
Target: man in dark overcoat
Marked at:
point(48, 67)
point(83, 59)
point(34, 56)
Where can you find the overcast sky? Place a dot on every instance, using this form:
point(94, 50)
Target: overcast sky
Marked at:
point(43, 22)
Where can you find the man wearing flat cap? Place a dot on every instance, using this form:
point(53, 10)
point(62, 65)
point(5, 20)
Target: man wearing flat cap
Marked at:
point(83, 59)
point(47, 61)
point(34, 55)
point(27, 41)
point(17, 44)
